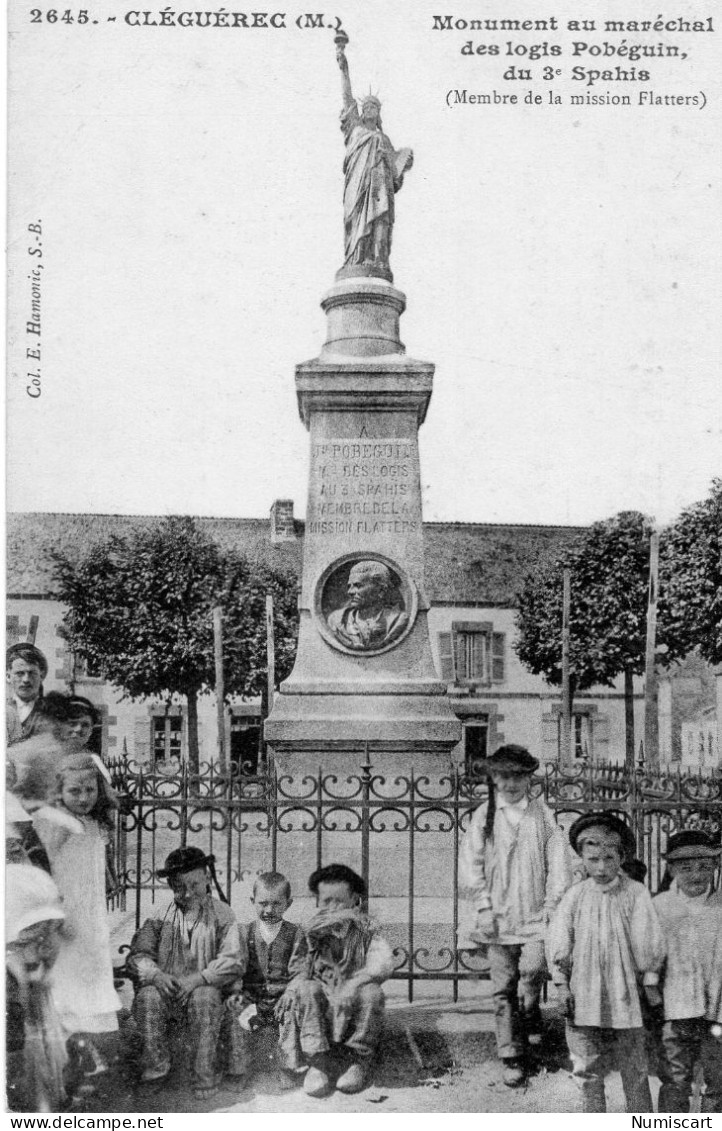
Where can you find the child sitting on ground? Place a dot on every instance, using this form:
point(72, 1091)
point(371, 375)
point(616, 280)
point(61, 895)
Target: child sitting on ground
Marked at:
point(604, 936)
point(332, 1013)
point(183, 961)
point(691, 916)
point(270, 940)
point(514, 867)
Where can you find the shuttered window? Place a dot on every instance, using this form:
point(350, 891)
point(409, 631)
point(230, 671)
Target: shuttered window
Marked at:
point(472, 653)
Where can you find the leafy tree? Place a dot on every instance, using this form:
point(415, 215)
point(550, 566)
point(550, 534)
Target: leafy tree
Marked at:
point(609, 566)
point(140, 608)
point(691, 557)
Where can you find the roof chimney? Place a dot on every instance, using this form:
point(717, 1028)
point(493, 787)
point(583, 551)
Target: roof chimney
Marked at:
point(282, 525)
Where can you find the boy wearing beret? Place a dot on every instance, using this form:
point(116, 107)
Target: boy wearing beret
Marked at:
point(603, 939)
point(184, 962)
point(690, 912)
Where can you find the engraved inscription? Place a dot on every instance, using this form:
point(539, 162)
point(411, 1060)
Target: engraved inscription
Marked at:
point(364, 487)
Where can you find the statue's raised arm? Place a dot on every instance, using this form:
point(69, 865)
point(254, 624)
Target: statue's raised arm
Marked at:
point(373, 174)
point(341, 39)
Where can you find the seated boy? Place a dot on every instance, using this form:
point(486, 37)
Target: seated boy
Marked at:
point(333, 1011)
point(183, 961)
point(691, 916)
point(603, 938)
point(269, 940)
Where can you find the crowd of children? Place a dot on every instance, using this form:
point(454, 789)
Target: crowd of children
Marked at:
point(622, 963)
point(617, 956)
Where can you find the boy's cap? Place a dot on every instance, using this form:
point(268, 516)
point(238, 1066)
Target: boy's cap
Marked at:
point(186, 859)
point(609, 823)
point(512, 757)
point(691, 844)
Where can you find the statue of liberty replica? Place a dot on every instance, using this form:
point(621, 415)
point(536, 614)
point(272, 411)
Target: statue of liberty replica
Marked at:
point(373, 174)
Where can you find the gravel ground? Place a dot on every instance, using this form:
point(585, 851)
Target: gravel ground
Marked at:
point(436, 1056)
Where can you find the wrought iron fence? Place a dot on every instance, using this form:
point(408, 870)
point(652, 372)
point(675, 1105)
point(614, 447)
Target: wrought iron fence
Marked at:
point(401, 831)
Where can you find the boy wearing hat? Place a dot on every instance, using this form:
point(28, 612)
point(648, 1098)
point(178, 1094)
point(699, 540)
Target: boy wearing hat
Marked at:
point(183, 962)
point(332, 1013)
point(25, 670)
point(514, 867)
point(690, 912)
point(604, 937)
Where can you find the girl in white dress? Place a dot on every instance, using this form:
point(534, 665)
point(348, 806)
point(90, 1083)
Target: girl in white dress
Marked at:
point(76, 831)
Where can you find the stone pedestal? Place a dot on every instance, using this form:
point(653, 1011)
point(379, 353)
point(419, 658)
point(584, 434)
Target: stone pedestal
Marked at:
point(363, 401)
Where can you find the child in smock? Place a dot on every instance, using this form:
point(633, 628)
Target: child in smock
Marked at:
point(514, 867)
point(690, 912)
point(75, 832)
point(603, 941)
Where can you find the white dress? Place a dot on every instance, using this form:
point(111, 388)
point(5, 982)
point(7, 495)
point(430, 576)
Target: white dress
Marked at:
point(83, 990)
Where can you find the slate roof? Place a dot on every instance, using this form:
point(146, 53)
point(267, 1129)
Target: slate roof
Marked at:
point(466, 563)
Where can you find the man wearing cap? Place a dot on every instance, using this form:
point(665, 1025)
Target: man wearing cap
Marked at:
point(605, 939)
point(25, 670)
point(690, 912)
point(184, 962)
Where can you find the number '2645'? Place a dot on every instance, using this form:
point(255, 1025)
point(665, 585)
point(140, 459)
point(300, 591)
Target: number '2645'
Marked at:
point(53, 16)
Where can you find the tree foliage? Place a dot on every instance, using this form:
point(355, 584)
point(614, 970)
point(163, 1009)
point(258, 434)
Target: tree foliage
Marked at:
point(609, 566)
point(140, 608)
point(691, 556)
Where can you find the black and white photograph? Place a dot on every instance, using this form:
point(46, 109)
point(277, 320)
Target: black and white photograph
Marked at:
point(364, 561)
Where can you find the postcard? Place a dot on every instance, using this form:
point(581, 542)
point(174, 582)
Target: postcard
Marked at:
point(395, 299)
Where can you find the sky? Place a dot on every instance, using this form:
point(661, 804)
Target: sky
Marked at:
point(561, 262)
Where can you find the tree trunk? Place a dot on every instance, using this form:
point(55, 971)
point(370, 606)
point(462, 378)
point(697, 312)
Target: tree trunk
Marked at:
point(629, 718)
point(193, 755)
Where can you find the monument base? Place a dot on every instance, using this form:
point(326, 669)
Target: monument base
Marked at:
point(364, 271)
point(344, 724)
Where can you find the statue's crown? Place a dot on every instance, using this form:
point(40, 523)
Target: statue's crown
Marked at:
point(371, 98)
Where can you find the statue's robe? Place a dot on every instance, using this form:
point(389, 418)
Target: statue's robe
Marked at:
point(373, 172)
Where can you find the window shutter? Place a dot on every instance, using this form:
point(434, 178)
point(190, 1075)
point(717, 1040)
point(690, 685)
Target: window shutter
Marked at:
point(141, 740)
point(498, 673)
point(446, 657)
point(461, 670)
point(599, 729)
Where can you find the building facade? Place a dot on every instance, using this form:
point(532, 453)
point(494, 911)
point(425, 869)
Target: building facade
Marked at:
point(473, 572)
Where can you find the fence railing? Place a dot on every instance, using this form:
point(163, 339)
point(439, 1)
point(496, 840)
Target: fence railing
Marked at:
point(401, 831)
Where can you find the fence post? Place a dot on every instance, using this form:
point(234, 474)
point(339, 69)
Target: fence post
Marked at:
point(273, 804)
point(139, 845)
point(456, 816)
point(184, 769)
point(412, 865)
point(651, 722)
point(365, 826)
point(220, 687)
